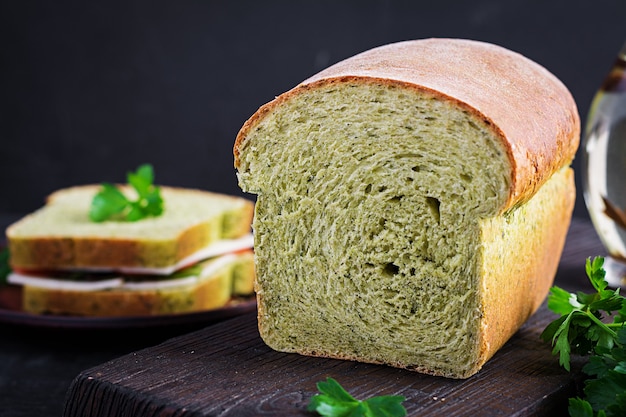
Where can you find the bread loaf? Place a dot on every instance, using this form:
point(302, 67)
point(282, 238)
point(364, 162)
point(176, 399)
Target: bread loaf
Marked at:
point(412, 204)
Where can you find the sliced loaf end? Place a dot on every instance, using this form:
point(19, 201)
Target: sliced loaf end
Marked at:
point(384, 226)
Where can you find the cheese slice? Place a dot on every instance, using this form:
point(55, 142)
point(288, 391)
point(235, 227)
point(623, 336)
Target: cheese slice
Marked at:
point(60, 284)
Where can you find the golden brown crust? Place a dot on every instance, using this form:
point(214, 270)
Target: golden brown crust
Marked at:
point(513, 291)
point(528, 107)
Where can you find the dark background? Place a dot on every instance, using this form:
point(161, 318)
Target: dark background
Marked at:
point(91, 89)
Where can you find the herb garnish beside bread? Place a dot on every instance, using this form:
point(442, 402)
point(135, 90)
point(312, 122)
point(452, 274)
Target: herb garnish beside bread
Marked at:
point(412, 204)
point(192, 253)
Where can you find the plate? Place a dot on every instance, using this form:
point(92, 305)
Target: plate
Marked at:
point(11, 314)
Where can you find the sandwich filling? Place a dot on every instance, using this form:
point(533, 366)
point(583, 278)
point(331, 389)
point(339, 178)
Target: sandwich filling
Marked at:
point(200, 264)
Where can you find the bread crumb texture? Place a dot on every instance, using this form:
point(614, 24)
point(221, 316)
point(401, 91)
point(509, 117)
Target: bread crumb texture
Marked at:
point(379, 231)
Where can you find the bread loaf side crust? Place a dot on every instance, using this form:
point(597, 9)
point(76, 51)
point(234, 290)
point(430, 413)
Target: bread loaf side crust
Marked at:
point(530, 109)
point(520, 257)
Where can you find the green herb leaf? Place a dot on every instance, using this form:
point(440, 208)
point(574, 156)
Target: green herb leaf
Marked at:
point(585, 327)
point(607, 393)
point(561, 301)
point(335, 401)
point(386, 405)
point(111, 204)
point(621, 317)
point(580, 408)
point(107, 203)
point(596, 273)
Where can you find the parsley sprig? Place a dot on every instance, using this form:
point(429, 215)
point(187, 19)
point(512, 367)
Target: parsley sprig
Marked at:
point(111, 203)
point(335, 401)
point(592, 324)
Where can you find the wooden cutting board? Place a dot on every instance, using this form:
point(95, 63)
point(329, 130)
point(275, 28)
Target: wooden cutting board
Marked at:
point(227, 370)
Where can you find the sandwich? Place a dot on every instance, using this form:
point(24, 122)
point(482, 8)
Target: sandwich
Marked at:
point(412, 204)
point(135, 249)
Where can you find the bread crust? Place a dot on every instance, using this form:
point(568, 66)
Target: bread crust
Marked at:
point(530, 109)
point(515, 290)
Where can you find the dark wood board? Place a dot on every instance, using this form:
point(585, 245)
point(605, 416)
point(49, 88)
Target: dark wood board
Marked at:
point(227, 370)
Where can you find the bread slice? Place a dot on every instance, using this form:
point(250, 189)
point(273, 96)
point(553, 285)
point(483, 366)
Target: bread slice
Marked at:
point(60, 235)
point(413, 203)
point(224, 278)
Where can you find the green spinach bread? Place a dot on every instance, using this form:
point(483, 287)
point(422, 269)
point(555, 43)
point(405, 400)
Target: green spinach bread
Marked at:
point(412, 204)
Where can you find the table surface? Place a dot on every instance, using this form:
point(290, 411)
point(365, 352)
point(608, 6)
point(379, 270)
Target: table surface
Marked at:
point(37, 366)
